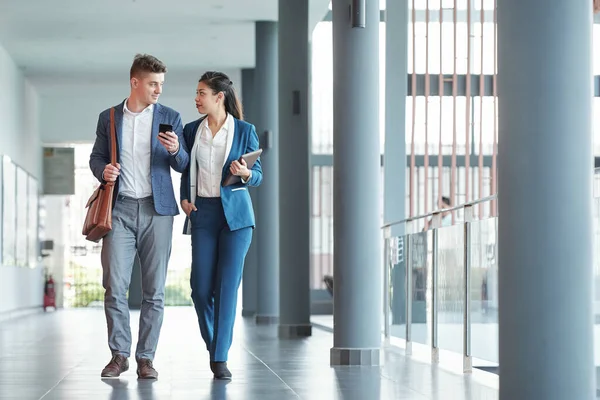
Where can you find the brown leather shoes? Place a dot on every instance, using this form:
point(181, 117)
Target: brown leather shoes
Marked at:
point(145, 370)
point(117, 365)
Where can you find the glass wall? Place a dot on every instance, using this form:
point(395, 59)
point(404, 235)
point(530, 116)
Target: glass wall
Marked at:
point(83, 269)
point(19, 216)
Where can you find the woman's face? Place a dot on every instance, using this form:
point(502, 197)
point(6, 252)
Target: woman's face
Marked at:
point(206, 101)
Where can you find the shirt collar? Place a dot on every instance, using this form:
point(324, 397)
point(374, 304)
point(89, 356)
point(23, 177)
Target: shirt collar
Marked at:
point(150, 108)
point(226, 126)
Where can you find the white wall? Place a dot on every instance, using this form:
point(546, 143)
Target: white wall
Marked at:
point(20, 288)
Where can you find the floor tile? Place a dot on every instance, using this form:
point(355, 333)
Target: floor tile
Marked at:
point(59, 356)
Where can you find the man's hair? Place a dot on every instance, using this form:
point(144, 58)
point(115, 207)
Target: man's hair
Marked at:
point(446, 200)
point(144, 64)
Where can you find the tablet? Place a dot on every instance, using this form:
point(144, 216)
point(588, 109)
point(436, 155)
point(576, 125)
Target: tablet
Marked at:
point(250, 159)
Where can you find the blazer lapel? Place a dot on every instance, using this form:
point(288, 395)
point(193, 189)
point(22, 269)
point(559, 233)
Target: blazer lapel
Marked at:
point(231, 130)
point(193, 146)
point(234, 150)
point(119, 127)
point(156, 119)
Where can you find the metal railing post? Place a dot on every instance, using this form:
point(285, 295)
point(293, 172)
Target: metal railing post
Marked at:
point(409, 296)
point(435, 351)
point(387, 264)
point(467, 361)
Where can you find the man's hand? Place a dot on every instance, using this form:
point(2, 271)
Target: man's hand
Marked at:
point(240, 169)
point(170, 141)
point(188, 207)
point(111, 173)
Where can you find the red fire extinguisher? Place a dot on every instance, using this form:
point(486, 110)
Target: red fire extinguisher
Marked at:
point(49, 293)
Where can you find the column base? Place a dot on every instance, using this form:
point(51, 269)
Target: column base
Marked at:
point(435, 355)
point(267, 320)
point(467, 364)
point(360, 357)
point(248, 313)
point(295, 331)
point(408, 350)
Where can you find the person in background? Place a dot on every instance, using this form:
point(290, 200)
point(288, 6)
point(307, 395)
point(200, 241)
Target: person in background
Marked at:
point(443, 204)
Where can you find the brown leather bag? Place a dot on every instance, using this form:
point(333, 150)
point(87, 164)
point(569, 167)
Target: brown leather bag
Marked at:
point(98, 221)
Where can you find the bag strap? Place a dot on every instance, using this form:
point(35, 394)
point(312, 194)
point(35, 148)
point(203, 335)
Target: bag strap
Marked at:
point(113, 138)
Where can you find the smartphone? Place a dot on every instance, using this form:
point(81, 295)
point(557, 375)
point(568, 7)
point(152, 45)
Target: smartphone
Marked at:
point(165, 128)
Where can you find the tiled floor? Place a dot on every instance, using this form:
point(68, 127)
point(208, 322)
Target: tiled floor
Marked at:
point(60, 355)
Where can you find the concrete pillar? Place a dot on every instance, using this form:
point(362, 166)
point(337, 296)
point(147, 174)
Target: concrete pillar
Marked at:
point(267, 230)
point(394, 158)
point(294, 169)
point(545, 222)
point(356, 170)
point(249, 279)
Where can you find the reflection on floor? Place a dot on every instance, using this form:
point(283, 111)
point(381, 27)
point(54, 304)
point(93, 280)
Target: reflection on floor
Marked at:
point(60, 355)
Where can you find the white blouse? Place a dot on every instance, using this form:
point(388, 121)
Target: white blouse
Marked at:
point(210, 155)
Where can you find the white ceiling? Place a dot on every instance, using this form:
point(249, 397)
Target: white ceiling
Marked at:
point(66, 43)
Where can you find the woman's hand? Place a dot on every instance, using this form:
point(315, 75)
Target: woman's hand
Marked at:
point(188, 207)
point(240, 169)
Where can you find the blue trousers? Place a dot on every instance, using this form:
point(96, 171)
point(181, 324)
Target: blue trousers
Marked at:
point(217, 264)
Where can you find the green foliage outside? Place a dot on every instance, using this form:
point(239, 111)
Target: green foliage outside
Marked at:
point(83, 287)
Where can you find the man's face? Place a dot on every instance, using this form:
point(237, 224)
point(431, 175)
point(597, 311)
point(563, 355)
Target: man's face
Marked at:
point(148, 87)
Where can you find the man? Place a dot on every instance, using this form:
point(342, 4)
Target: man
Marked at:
point(143, 210)
point(443, 204)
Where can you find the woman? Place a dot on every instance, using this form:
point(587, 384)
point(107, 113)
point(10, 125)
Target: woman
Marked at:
point(220, 218)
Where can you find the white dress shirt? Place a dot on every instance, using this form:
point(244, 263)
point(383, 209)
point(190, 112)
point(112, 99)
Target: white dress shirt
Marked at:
point(136, 151)
point(210, 154)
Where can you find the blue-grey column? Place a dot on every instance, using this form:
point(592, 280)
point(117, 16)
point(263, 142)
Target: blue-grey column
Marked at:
point(394, 158)
point(267, 231)
point(294, 169)
point(356, 195)
point(545, 200)
point(249, 279)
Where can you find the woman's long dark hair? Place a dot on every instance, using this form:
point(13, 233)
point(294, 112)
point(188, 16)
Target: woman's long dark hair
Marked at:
point(220, 82)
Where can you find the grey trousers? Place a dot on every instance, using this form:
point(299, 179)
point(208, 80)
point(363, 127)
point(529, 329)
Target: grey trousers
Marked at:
point(136, 227)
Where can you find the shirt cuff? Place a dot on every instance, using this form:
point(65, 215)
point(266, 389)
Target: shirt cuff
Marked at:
point(177, 152)
point(249, 177)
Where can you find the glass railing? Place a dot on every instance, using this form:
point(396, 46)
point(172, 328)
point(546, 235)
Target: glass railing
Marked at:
point(441, 283)
point(450, 304)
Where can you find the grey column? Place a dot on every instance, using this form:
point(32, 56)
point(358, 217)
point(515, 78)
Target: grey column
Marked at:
point(294, 178)
point(356, 196)
point(394, 159)
point(249, 279)
point(545, 200)
point(267, 230)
